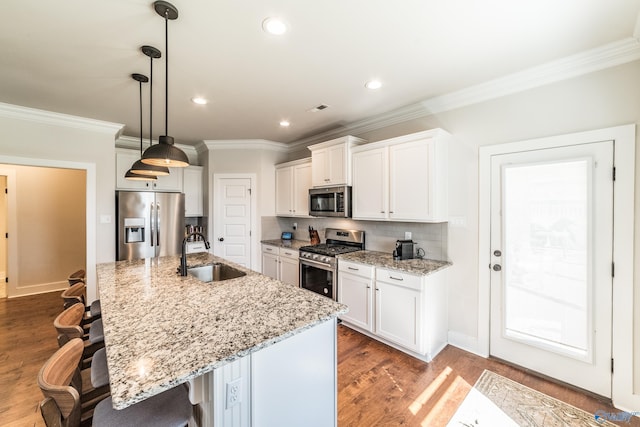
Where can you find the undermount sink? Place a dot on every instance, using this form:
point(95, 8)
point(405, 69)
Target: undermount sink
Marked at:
point(215, 272)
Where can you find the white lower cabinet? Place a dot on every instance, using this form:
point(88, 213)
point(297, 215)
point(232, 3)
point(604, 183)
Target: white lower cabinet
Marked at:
point(355, 289)
point(404, 310)
point(399, 315)
point(281, 264)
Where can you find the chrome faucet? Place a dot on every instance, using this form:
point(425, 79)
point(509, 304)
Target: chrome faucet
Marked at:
point(183, 258)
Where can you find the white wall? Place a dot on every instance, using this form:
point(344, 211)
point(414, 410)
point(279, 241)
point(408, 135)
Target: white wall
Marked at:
point(38, 138)
point(599, 100)
point(251, 157)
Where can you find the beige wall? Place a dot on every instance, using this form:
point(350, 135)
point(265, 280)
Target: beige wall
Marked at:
point(3, 242)
point(51, 224)
point(45, 142)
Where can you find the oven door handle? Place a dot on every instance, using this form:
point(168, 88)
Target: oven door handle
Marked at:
point(316, 264)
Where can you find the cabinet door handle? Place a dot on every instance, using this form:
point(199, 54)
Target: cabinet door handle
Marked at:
point(396, 278)
point(353, 268)
point(368, 287)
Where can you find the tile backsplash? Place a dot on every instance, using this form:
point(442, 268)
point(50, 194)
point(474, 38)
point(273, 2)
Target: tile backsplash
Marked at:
point(379, 235)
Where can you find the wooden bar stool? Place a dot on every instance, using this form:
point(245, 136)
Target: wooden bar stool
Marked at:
point(77, 293)
point(68, 326)
point(75, 277)
point(58, 380)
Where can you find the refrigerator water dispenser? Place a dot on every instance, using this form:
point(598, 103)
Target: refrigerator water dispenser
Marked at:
point(133, 230)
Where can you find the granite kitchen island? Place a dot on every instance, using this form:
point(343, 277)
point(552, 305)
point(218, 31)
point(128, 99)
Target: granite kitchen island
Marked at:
point(255, 350)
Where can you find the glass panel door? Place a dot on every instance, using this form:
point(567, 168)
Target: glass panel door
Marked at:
point(547, 249)
point(551, 256)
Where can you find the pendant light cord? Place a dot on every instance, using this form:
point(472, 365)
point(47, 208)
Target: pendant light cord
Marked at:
point(140, 82)
point(166, 72)
point(150, 100)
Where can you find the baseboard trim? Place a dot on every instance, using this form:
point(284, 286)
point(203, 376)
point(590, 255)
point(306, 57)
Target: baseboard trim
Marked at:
point(40, 288)
point(465, 342)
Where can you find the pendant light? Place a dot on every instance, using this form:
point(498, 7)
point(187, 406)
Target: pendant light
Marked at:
point(132, 174)
point(139, 167)
point(165, 153)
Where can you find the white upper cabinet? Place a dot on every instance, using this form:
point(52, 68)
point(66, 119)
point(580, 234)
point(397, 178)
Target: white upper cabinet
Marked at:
point(331, 161)
point(192, 189)
point(370, 184)
point(402, 179)
point(125, 158)
point(293, 180)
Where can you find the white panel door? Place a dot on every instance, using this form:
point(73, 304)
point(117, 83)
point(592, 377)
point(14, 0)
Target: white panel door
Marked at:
point(551, 252)
point(232, 239)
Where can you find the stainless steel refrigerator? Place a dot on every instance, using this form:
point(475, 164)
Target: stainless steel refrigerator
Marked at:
point(149, 224)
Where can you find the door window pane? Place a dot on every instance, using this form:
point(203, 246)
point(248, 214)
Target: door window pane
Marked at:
point(547, 250)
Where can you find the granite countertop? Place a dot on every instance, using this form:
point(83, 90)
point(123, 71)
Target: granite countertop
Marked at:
point(385, 260)
point(162, 329)
point(293, 244)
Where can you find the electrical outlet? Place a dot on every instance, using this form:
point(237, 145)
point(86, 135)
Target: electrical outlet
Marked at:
point(407, 235)
point(295, 225)
point(234, 395)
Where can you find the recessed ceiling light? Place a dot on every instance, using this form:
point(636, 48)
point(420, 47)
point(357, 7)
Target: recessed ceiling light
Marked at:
point(285, 123)
point(274, 26)
point(373, 84)
point(199, 100)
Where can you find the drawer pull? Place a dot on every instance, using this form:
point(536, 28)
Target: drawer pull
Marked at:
point(396, 278)
point(353, 268)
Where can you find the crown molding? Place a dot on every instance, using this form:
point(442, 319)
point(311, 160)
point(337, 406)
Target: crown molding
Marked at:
point(58, 119)
point(600, 58)
point(246, 144)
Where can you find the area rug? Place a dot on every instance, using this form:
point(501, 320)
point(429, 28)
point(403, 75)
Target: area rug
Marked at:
point(496, 401)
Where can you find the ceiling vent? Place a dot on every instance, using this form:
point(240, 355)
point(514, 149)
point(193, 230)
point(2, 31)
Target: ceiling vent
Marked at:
point(318, 108)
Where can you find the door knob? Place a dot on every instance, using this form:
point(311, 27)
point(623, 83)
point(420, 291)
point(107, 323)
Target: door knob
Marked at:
point(497, 267)
point(221, 239)
point(497, 253)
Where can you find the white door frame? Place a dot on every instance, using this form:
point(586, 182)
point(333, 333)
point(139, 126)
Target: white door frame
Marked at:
point(623, 205)
point(90, 217)
point(254, 229)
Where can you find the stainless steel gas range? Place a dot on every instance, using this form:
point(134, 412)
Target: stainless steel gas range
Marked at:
point(318, 263)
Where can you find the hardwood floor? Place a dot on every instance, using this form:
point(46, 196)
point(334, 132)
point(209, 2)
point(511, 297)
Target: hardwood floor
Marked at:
point(381, 386)
point(27, 339)
point(377, 385)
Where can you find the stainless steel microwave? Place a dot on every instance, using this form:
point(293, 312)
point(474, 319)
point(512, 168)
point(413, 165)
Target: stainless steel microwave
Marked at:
point(330, 201)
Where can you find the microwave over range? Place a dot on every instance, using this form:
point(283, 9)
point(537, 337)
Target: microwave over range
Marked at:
point(330, 201)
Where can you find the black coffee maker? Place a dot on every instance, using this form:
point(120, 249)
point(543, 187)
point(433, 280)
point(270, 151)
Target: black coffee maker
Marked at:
point(403, 250)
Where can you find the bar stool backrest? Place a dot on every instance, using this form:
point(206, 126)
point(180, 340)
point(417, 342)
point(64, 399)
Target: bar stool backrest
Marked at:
point(60, 382)
point(74, 294)
point(68, 323)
